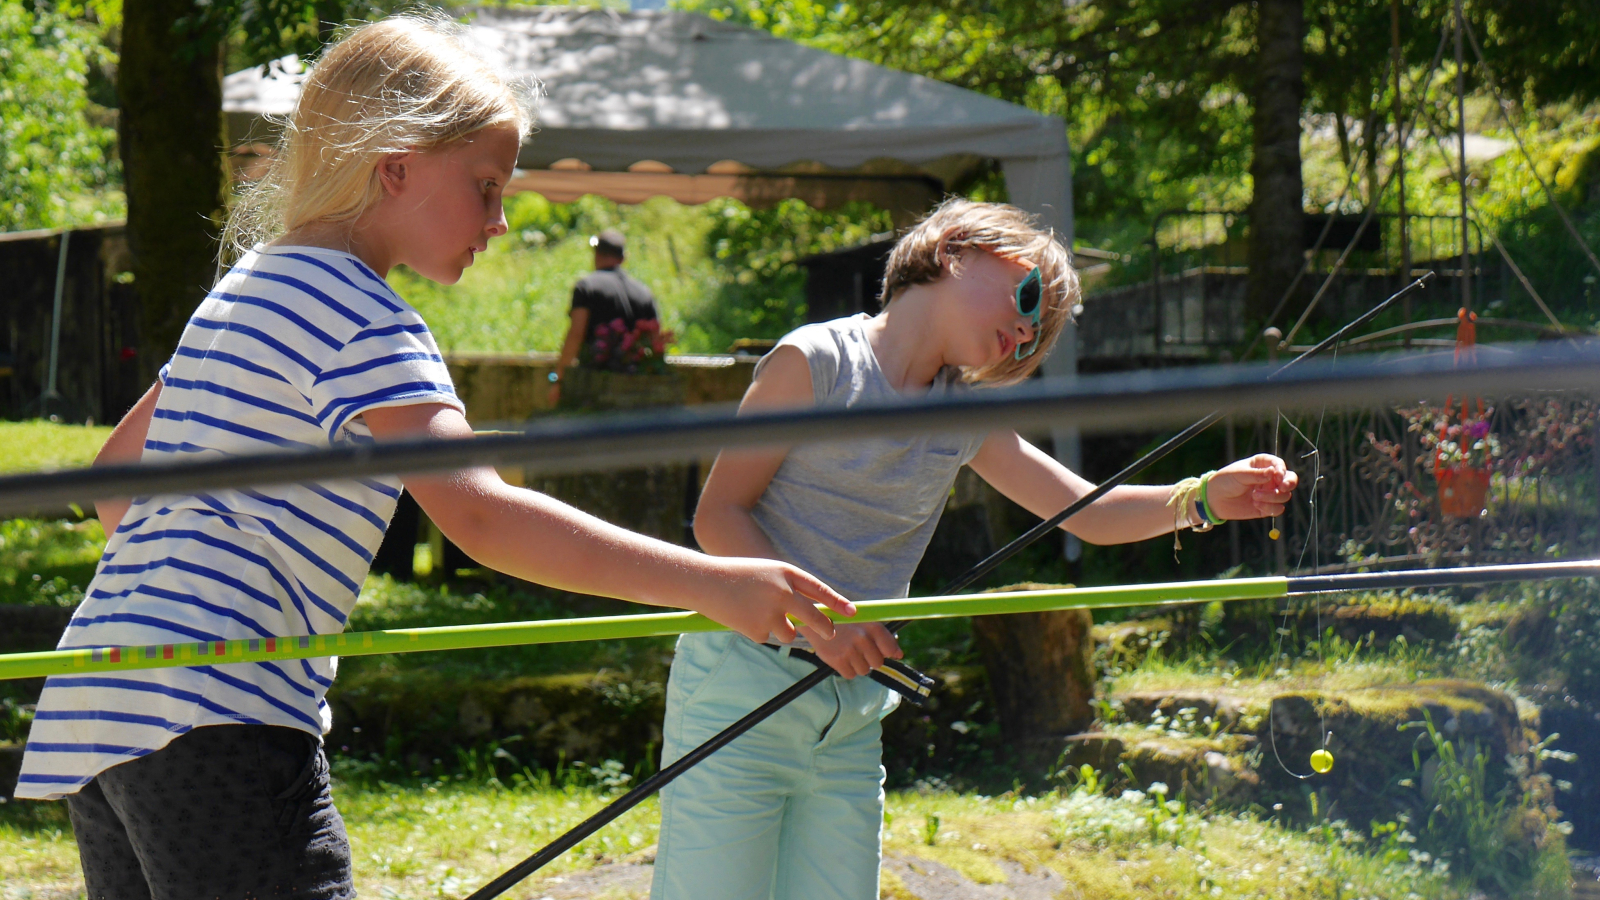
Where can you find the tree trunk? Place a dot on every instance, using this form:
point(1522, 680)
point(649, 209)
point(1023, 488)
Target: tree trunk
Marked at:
point(170, 90)
point(1277, 241)
point(1041, 673)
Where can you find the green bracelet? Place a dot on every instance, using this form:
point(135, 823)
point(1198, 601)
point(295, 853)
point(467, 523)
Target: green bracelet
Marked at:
point(1206, 511)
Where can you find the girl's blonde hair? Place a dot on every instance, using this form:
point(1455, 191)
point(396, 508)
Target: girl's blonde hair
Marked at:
point(406, 83)
point(933, 247)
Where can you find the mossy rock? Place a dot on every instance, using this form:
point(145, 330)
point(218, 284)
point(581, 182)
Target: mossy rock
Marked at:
point(1381, 622)
point(427, 715)
point(1121, 645)
point(1372, 752)
point(1372, 738)
point(1198, 768)
point(1255, 622)
point(1225, 709)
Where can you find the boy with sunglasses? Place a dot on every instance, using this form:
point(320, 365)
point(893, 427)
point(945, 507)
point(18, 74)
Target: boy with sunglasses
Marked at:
point(974, 295)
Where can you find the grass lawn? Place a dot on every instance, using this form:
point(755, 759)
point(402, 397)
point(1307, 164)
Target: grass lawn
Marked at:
point(445, 839)
point(39, 444)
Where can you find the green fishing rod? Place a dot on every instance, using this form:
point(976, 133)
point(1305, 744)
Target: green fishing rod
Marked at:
point(665, 776)
point(508, 634)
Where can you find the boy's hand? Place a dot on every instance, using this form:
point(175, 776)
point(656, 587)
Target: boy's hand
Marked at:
point(855, 650)
point(758, 597)
point(1251, 488)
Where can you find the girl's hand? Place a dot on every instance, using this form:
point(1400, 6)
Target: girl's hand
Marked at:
point(758, 597)
point(856, 649)
point(1253, 488)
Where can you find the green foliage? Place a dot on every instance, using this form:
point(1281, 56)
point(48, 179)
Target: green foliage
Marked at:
point(57, 151)
point(1490, 829)
point(720, 271)
point(48, 562)
point(15, 720)
point(764, 244)
point(1157, 93)
point(1552, 637)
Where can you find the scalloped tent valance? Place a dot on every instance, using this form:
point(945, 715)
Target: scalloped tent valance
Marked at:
point(706, 108)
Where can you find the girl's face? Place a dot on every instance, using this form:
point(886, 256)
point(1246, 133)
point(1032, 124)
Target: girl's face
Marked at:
point(442, 206)
point(986, 326)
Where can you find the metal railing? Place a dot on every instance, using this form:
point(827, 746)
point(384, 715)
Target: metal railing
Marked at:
point(1191, 303)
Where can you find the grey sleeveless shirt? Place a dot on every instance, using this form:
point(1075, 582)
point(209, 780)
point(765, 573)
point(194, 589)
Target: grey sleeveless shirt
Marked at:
point(859, 514)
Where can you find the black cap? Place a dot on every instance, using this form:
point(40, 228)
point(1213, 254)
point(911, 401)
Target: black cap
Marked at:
point(608, 241)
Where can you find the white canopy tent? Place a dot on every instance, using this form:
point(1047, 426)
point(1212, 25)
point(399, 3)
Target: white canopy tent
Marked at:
point(677, 104)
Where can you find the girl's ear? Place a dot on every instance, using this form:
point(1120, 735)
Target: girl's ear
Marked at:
point(947, 255)
point(393, 172)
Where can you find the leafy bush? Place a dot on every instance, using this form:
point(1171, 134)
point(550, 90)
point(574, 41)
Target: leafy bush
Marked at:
point(15, 719)
point(55, 152)
point(1552, 637)
point(48, 562)
point(1503, 838)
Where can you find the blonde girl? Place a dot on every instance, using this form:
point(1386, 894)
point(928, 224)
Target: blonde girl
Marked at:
point(973, 295)
point(397, 153)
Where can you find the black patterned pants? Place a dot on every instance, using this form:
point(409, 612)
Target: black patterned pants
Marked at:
point(226, 812)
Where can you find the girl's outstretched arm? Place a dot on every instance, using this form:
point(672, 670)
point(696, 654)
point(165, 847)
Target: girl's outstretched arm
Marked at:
point(537, 538)
point(126, 445)
point(1251, 488)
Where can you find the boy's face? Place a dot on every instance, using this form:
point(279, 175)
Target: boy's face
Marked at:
point(444, 205)
point(983, 310)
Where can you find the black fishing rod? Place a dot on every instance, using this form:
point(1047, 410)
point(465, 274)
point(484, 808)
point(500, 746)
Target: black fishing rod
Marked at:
point(694, 757)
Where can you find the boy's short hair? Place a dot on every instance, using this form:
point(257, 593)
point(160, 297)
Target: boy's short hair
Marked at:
point(932, 249)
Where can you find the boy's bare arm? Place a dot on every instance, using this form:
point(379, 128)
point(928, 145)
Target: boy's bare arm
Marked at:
point(1250, 488)
point(723, 524)
point(126, 445)
point(537, 538)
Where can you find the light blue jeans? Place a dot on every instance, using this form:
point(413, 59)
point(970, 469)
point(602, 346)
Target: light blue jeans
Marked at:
point(793, 808)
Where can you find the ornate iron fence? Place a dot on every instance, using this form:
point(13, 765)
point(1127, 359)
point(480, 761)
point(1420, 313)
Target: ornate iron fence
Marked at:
point(1378, 499)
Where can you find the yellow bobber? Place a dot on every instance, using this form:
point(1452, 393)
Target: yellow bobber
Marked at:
point(1322, 762)
point(1274, 534)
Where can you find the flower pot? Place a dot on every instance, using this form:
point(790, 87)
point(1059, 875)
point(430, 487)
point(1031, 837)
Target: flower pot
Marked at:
point(1462, 490)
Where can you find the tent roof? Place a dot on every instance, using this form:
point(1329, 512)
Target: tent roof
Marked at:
point(688, 91)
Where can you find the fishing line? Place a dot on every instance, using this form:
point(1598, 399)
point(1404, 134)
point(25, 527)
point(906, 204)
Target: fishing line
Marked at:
point(1313, 545)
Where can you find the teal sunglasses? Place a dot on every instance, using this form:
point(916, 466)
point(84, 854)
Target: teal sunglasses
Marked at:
point(1030, 302)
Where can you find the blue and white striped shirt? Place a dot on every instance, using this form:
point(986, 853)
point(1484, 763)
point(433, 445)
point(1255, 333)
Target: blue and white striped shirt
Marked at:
point(286, 352)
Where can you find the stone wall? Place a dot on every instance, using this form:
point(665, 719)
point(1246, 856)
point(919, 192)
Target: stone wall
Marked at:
point(510, 389)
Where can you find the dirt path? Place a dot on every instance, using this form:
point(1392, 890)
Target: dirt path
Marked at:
point(923, 879)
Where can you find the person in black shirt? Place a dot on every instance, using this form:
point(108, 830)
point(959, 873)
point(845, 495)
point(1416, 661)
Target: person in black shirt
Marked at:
point(601, 297)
